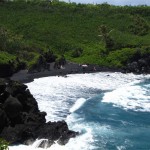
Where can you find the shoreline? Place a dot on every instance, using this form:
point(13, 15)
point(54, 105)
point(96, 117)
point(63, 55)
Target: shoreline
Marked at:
point(69, 68)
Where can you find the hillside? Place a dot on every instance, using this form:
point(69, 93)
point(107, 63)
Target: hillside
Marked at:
point(84, 33)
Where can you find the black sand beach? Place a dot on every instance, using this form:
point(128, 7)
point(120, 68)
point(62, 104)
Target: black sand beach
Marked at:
point(69, 68)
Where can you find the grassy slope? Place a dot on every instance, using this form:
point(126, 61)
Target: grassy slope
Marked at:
point(64, 27)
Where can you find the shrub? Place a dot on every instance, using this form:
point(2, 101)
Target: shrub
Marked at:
point(3, 144)
point(120, 57)
point(5, 57)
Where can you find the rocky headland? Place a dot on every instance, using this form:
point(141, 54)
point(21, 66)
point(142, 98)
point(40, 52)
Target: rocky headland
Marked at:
point(21, 121)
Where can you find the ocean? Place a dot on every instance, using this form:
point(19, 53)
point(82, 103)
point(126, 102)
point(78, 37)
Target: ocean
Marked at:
point(110, 110)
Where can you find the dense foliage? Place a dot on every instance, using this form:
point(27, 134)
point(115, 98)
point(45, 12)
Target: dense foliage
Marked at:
point(99, 34)
point(3, 145)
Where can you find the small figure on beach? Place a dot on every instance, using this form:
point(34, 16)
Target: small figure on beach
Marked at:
point(94, 68)
point(84, 67)
point(60, 62)
point(61, 67)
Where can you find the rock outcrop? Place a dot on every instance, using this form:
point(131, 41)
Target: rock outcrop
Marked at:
point(22, 122)
point(8, 69)
point(139, 66)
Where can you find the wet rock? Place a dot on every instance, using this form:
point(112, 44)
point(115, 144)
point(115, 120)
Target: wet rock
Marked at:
point(45, 143)
point(66, 136)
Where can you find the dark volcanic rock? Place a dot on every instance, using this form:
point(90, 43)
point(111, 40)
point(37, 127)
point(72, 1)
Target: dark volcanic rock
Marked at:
point(12, 107)
point(3, 119)
point(21, 121)
point(2, 86)
point(52, 130)
point(6, 70)
point(55, 131)
point(66, 136)
point(139, 65)
point(13, 134)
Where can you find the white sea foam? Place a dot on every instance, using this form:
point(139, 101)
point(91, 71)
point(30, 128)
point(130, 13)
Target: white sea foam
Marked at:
point(77, 104)
point(131, 96)
point(38, 142)
point(56, 95)
point(59, 96)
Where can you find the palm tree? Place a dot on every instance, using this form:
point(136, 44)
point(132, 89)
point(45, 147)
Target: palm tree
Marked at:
point(105, 34)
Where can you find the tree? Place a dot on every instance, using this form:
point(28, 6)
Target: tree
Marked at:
point(105, 34)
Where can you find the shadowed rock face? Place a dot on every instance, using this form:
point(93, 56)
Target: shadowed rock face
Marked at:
point(21, 121)
point(6, 70)
point(3, 119)
point(12, 107)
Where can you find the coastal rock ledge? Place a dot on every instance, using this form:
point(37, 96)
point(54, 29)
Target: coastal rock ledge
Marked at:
point(21, 122)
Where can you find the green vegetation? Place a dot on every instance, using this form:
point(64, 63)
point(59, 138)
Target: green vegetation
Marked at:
point(3, 145)
point(6, 57)
point(84, 33)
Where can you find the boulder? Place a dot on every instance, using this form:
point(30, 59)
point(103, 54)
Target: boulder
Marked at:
point(13, 108)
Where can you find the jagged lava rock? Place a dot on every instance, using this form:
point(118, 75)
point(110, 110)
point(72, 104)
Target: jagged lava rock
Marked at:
point(21, 120)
